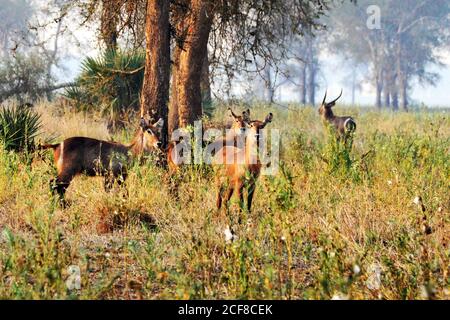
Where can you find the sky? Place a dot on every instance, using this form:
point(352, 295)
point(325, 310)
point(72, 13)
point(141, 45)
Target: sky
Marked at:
point(332, 77)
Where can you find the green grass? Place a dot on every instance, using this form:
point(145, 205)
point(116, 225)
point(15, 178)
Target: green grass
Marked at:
point(316, 230)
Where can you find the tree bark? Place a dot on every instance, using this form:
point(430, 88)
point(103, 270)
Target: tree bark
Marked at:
point(312, 84)
point(173, 104)
point(303, 84)
point(191, 60)
point(379, 89)
point(205, 83)
point(268, 85)
point(387, 87)
point(401, 76)
point(108, 23)
point(155, 91)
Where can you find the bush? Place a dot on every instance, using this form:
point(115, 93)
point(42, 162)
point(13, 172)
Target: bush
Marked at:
point(110, 84)
point(19, 128)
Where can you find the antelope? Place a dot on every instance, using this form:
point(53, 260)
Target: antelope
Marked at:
point(92, 157)
point(237, 129)
point(344, 126)
point(239, 175)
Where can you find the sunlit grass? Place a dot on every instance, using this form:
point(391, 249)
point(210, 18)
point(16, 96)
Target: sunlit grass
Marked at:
point(317, 230)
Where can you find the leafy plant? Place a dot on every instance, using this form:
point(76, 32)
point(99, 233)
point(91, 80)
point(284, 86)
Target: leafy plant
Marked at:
point(19, 128)
point(110, 84)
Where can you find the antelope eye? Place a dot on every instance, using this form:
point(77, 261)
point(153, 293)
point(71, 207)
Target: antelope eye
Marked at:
point(149, 131)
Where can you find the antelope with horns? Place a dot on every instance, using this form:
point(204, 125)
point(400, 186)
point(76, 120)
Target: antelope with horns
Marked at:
point(235, 176)
point(92, 157)
point(344, 126)
point(237, 129)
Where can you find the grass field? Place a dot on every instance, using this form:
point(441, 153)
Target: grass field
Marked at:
point(331, 224)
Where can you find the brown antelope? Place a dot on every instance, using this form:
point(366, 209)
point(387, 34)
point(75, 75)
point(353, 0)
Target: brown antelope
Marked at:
point(344, 126)
point(237, 128)
point(92, 157)
point(235, 175)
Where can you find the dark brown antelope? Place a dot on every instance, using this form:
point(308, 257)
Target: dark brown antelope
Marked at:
point(344, 126)
point(237, 175)
point(92, 157)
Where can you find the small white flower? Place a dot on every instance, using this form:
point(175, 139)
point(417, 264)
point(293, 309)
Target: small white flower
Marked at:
point(229, 236)
point(417, 200)
point(339, 296)
point(73, 281)
point(332, 254)
point(389, 182)
point(439, 209)
point(356, 269)
point(107, 255)
point(283, 238)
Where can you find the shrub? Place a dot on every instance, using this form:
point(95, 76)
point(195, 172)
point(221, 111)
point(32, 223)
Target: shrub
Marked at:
point(19, 128)
point(110, 83)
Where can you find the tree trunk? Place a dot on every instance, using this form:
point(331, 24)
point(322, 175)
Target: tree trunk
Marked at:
point(379, 89)
point(155, 91)
point(268, 85)
point(205, 85)
point(173, 104)
point(401, 76)
point(108, 23)
point(403, 93)
point(191, 60)
point(387, 90)
point(303, 84)
point(394, 96)
point(354, 87)
point(312, 70)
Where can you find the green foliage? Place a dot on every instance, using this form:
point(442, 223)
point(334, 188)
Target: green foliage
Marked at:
point(24, 77)
point(18, 128)
point(110, 83)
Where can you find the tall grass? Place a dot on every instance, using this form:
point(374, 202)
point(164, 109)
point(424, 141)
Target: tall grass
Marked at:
point(317, 230)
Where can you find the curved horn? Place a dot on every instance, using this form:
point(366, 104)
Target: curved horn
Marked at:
point(325, 98)
point(334, 101)
point(232, 113)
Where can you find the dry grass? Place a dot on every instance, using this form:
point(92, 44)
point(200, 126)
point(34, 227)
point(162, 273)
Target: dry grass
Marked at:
point(317, 230)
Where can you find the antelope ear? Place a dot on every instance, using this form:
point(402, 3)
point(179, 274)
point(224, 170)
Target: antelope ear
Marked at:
point(159, 124)
point(269, 118)
point(331, 104)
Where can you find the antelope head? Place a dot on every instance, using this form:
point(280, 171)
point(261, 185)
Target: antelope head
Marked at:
point(151, 134)
point(325, 108)
point(239, 121)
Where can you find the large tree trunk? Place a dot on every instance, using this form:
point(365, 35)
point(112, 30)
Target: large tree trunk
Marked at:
point(155, 91)
point(191, 62)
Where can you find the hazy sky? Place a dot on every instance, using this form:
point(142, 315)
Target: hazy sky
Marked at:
point(332, 76)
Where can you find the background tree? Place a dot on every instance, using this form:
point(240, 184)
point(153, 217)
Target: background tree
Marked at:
point(403, 50)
